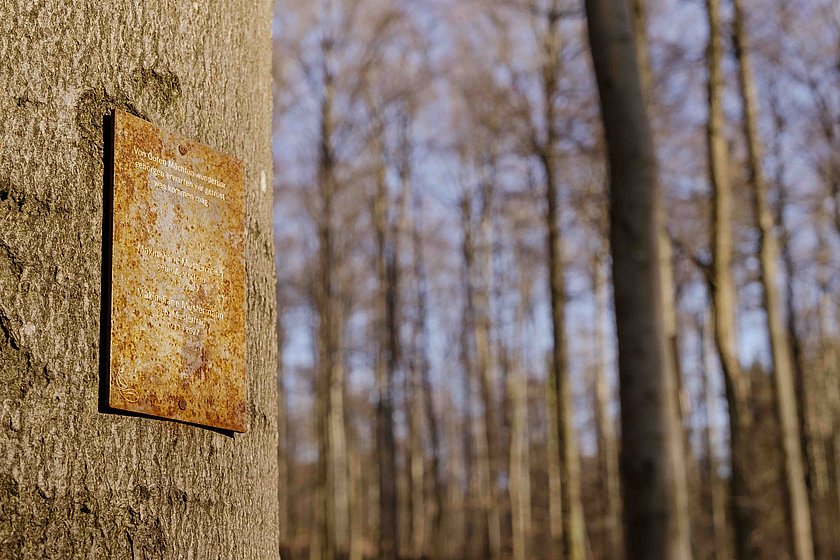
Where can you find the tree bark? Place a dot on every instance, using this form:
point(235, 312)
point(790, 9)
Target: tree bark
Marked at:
point(723, 295)
point(486, 366)
point(387, 359)
point(797, 510)
point(604, 427)
point(519, 457)
point(651, 429)
point(333, 475)
point(432, 423)
point(574, 528)
point(552, 446)
point(76, 483)
point(471, 424)
point(283, 481)
point(669, 295)
point(717, 493)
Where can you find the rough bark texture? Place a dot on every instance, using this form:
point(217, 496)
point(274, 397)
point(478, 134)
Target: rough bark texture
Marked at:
point(649, 418)
point(75, 483)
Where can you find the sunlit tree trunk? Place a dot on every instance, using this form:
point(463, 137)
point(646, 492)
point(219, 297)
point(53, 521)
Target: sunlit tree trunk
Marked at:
point(724, 302)
point(811, 390)
point(574, 529)
point(796, 495)
point(651, 431)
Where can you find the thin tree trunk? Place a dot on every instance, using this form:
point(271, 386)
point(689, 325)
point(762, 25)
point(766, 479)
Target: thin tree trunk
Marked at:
point(471, 433)
point(334, 500)
point(666, 267)
point(574, 529)
point(811, 418)
point(486, 366)
point(421, 332)
point(717, 492)
point(723, 296)
point(387, 359)
point(357, 498)
point(651, 457)
point(283, 480)
point(604, 427)
point(796, 495)
point(414, 379)
point(519, 484)
point(555, 486)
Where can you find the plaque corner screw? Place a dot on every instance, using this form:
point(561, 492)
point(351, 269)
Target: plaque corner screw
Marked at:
point(182, 149)
point(182, 403)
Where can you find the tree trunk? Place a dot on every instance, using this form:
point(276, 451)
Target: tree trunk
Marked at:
point(722, 290)
point(76, 483)
point(470, 428)
point(810, 390)
point(604, 427)
point(416, 362)
point(386, 362)
point(432, 424)
point(574, 529)
point(487, 370)
point(651, 432)
point(717, 493)
point(797, 509)
point(519, 459)
point(283, 481)
point(669, 296)
point(552, 446)
point(334, 501)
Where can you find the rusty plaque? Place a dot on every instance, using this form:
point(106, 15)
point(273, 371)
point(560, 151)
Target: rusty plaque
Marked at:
point(177, 314)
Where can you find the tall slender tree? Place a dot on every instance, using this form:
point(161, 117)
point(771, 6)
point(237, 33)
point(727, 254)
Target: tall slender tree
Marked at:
point(574, 529)
point(796, 495)
point(722, 288)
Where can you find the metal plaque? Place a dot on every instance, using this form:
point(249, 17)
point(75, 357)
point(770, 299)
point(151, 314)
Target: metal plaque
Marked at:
point(177, 314)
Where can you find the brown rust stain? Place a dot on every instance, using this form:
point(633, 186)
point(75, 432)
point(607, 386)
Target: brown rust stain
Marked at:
point(178, 279)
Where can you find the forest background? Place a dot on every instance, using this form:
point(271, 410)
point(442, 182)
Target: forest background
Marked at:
point(449, 379)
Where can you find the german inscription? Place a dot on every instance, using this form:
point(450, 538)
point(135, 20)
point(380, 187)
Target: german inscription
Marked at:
point(177, 333)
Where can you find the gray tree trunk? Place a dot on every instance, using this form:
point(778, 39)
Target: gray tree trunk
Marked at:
point(75, 483)
point(651, 432)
